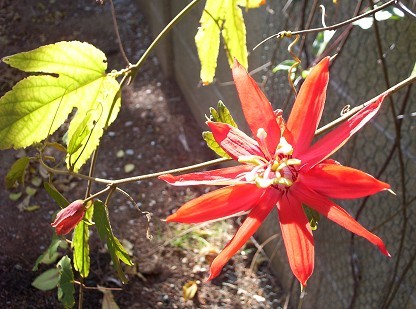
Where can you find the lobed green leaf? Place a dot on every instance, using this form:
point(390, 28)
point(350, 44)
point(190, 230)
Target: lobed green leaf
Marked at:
point(74, 77)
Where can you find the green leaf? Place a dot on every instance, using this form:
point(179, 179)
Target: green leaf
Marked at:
point(17, 172)
point(116, 250)
point(80, 244)
point(81, 133)
point(225, 115)
point(101, 113)
point(313, 217)
point(47, 280)
point(55, 195)
point(66, 288)
point(414, 70)
point(74, 78)
point(321, 41)
point(207, 39)
point(49, 253)
point(285, 65)
point(213, 145)
point(234, 34)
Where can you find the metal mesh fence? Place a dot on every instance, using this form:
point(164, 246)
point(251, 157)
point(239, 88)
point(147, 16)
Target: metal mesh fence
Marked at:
point(349, 271)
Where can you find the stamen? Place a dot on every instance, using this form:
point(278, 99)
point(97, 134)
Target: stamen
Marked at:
point(255, 160)
point(262, 135)
point(263, 183)
point(284, 147)
point(282, 181)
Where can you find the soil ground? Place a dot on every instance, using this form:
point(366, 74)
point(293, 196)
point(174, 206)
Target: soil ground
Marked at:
point(153, 132)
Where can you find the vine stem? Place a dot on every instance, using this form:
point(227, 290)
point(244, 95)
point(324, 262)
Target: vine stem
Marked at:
point(283, 34)
point(135, 67)
point(321, 130)
point(411, 79)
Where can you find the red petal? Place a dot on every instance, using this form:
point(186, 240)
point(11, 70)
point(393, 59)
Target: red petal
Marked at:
point(335, 139)
point(341, 182)
point(219, 177)
point(234, 141)
point(221, 203)
point(250, 225)
point(335, 213)
point(256, 107)
point(307, 110)
point(297, 236)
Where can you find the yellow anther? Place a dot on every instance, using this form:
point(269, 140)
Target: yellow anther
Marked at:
point(255, 160)
point(284, 147)
point(282, 181)
point(263, 183)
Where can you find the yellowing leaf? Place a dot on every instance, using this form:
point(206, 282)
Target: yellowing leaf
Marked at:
point(234, 34)
point(223, 17)
point(74, 78)
point(108, 299)
point(207, 39)
point(189, 290)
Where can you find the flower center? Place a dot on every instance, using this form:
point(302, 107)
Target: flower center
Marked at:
point(280, 171)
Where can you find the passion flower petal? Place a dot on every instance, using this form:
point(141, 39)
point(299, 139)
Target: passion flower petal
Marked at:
point(256, 107)
point(247, 229)
point(218, 204)
point(341, 182)
point(307, 110)
point(337, 214)
point(297, 236)
point(234, 141)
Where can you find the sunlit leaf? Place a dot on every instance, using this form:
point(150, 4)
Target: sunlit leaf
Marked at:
point(212, 144)
point(116, 250)
point(47, 280)
point(17, 172)
point(224, 114)
point(80, 244)
point(234, 34)
point(66, 288)
point(207, 39)
point(285, 65)
point(74, 78)
point(49, 253)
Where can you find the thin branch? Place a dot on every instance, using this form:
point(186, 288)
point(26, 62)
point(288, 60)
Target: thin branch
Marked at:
point(411, 79)
point(120, 44)
point(283, 34)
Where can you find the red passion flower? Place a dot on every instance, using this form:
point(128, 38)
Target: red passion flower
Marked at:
point(281, 168)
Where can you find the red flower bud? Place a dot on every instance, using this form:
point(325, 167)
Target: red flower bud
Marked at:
point(69, 217)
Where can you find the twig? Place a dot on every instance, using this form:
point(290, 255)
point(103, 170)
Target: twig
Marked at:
point(283, 34)
point(120, 44)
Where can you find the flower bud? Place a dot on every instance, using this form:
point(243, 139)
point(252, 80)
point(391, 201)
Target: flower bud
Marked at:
point(69, 217)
